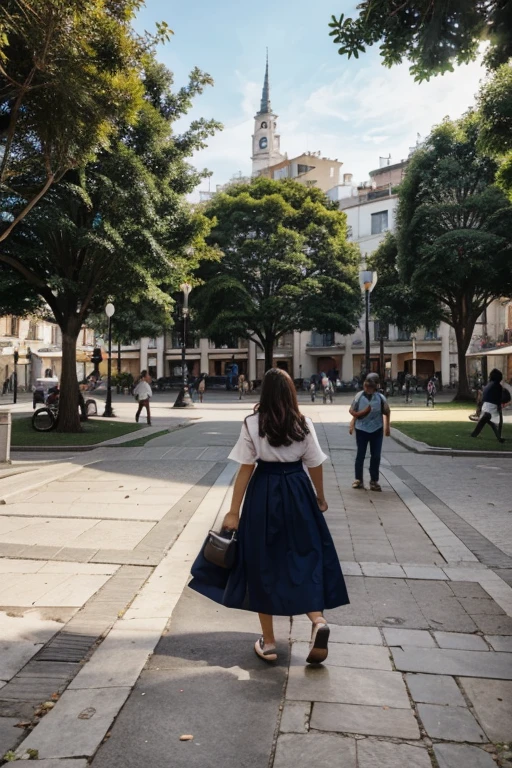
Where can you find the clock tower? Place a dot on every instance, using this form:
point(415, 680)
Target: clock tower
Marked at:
point(265, 141)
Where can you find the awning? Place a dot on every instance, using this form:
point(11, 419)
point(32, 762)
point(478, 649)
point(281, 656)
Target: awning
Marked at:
point(498, 352)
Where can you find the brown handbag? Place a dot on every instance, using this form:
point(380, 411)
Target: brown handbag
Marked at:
point(220, 548)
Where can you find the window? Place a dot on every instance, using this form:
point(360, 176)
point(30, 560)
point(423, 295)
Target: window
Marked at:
point(304, 168)
point(15, 326)
point(380, 329)
point(55, 335)
point(322, 339)
point(379, 222)
point(404, 335)
point(152, 344)
point(431, 335)
point(331, 173)
point(32, 330)
point(264, 124)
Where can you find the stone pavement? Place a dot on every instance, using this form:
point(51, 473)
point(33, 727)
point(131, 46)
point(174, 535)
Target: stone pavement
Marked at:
point(95, 564)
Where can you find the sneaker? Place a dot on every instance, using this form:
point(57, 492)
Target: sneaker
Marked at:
point(264, 650)
point(374, 486)
point(358, 484)
point(318, 648)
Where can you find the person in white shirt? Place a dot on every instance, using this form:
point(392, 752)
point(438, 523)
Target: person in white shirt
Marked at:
point(286, 562)
point(142, 393)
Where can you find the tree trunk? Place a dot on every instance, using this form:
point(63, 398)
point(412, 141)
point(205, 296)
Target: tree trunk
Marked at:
point(69, 417)
point(463, 336)
point(269, 353)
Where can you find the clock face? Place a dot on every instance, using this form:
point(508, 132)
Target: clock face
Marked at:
point(263, 142)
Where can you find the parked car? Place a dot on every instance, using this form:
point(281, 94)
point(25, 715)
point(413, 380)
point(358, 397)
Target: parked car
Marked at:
point(41, 388)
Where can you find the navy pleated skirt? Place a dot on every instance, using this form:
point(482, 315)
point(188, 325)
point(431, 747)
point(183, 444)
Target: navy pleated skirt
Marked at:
point(286, 562)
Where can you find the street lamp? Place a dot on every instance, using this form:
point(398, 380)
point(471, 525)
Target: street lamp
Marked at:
point(109, 311)
point(413, 338)
point(184, 400)
point(367, 281)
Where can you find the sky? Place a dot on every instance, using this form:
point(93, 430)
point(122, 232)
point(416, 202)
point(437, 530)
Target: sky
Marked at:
point(354, 110)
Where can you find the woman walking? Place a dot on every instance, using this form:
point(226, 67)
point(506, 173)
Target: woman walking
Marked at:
point(491, 411)
point(286, 563)
point(371, 414)
point(143, 393)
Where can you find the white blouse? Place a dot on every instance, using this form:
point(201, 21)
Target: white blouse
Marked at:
point(251, 446)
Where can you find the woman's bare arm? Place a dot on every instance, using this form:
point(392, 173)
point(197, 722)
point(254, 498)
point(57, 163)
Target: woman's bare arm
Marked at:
point(317, 476)
point(232, 518)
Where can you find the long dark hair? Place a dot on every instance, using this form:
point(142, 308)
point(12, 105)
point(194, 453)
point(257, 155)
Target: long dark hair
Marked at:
point(280, 420)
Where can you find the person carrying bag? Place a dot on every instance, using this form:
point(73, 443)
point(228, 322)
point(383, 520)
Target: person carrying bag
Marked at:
point(285, 562)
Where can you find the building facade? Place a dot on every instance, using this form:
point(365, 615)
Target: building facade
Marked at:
point(38, 344)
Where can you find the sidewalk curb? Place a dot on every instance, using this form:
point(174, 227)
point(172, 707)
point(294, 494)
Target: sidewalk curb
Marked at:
point(113, 442)
point(416, 446)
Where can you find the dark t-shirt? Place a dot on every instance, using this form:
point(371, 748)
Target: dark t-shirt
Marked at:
point(493, 393)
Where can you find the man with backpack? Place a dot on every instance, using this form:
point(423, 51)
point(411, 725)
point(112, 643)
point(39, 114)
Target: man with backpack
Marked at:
point(371, 414)
point(494, 399)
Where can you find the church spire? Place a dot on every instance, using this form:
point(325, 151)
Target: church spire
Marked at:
point(265, 108)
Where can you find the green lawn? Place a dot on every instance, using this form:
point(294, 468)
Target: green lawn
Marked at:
point(421, 404)
point(455, 434)
point(93, 431)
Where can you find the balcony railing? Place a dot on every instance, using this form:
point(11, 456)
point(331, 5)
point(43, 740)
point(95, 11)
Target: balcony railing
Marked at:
point(322, 340)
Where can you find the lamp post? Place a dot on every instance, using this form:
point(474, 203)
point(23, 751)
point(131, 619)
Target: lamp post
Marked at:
point(367, 281)
point(184, 400)
point(413, 338)
point(15, 382)
point(109, 311)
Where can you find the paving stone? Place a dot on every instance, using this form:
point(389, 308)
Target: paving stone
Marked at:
point(424, 572)
point(435, 689)
point(347, 686)
point(460, 641)
point(295, 717)
point(77, 724)
point(301, 630)
point(492, 700)
point(118, 661)
point(468, 589)
point(372, 721)
point(386, 570)
point(500, 643)
point(459, 663)
point(345, 655)
point(62, 763)
point(409, 637)
point(478, 607)
point(373, 753)
point(348, 568)
point(303, 751)
point(9, 734)
point(460, 756)
point(450, 723)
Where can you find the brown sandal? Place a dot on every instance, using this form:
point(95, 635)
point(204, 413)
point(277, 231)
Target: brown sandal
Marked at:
point(318, 648)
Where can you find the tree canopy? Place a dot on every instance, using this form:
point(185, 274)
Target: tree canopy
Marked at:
point(454, 230)
point(495, 121)
point(395, 302)
point(431, 35)
point(70, 72)
point(286, 265)
point(118, 226)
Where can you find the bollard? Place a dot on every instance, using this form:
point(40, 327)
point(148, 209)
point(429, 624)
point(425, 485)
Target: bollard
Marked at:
point(5, 437)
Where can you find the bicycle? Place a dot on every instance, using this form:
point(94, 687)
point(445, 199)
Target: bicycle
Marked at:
point(45, 419)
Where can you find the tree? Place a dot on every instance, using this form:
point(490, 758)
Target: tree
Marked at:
point(119, 226)
point(286, 265)
point(454, 230)
point(495, 120)
point(432, 35)
point(395, 302)
point(70, 71)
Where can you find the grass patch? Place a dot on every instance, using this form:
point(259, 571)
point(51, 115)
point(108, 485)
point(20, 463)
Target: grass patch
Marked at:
point(455, 434)
point(94, 431)
point(421, 404)
point(140, 441)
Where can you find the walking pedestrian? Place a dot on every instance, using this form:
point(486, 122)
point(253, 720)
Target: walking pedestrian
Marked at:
point(492, 401)
point(286, 562)
point(143, 393)
point(371, 412)
point(201, 386)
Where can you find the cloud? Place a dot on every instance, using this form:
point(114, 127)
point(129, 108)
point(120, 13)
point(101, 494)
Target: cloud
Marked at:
point(349, 117)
